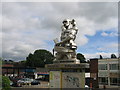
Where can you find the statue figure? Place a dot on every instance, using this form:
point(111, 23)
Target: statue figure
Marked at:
point(66, 47)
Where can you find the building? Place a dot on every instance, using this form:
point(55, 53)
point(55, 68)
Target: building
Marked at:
point(108, 72)
point(11, 70)
point(94, 73)
point(105, 73)
point(42, 74)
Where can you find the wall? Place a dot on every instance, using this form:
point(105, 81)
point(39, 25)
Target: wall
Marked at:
point(67, 79)
point(73, 80)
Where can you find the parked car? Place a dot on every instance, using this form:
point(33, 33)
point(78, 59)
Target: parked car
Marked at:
point(24, 81)
point(86, 86)
point(35, 82)
point(15, 80)
point(11, 83)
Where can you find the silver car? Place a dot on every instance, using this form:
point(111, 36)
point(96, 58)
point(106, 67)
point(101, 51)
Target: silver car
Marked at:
point(24, 81)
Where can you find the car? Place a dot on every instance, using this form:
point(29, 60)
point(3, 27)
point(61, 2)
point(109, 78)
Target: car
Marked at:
point(24, 81)
point(86, 86)
point(15, 80)
point(35, 82)
point(11, 83)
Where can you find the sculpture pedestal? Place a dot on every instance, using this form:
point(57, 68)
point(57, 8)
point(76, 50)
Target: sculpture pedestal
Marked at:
point(67, 61)
point(66, 75)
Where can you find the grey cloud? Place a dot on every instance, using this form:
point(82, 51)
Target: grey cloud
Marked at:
point(98, 11)
point(28, 26)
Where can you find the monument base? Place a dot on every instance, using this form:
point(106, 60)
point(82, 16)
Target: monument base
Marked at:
point(67, 61)
point(67, 75)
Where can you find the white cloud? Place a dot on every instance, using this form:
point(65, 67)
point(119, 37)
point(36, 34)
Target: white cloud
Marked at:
point(112, 34)
point(104, 34)
point(112, 45)
point(97, 55)
point(109, 47)
point(31, 25)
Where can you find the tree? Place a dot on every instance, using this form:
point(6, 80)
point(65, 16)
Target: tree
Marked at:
point(39, 58)
point(11, 61)
point(119, 56)
point(88, 61)
point(113, 56)
point(29, 60)
point(5, 83)
point(20, 63)
point(81, 58)
point(101, 57)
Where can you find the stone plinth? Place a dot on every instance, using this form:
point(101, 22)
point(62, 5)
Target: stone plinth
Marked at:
point(67, 75)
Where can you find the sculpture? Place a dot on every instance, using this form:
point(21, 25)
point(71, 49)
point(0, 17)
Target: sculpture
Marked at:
point(66, 48)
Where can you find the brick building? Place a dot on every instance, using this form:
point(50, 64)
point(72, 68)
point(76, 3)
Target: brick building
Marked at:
point(94, 73)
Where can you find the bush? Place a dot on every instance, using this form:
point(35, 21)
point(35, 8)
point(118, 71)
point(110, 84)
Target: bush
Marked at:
point(5, 83)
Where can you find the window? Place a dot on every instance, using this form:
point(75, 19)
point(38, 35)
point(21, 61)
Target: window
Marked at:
point(113, 66)
point(102, 66)
point(103, 80)
point(114, 81)
point(119, 81)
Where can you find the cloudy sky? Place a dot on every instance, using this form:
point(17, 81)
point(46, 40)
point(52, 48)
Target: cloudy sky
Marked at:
point(28, 26)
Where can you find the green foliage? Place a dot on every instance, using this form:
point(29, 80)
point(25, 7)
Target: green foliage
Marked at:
point(0, 58)
point(22, 63)
point(81, 58)
point(1, 62)
point(7, 61)
point(39, 58)
point(5, 83)
point(113, 56)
